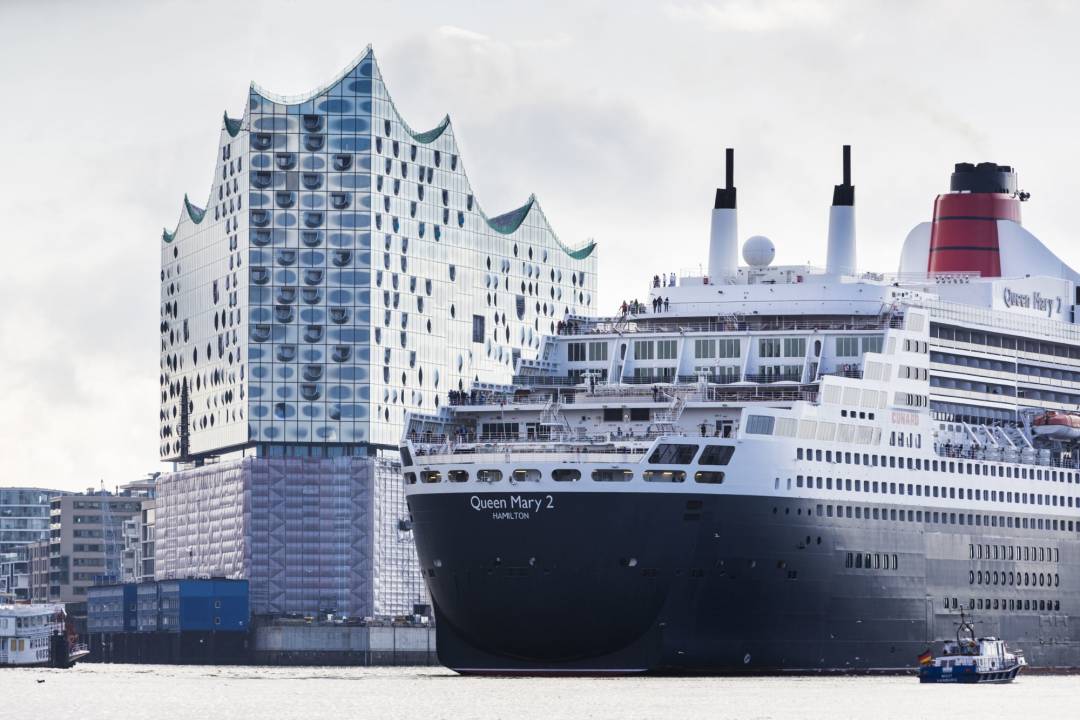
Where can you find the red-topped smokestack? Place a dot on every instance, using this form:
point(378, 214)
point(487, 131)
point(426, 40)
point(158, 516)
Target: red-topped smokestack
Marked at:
point(964, 236)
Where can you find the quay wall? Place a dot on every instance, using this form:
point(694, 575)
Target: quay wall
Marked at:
point(272, 644)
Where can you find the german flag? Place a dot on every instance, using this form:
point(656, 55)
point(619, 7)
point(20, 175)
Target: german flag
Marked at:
point(925, 658)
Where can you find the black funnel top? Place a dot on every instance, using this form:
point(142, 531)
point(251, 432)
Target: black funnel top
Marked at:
point(725, 196)
point(845, 194)
point(985, 177)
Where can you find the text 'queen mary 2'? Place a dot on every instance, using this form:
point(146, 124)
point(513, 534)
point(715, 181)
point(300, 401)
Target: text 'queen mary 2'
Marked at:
point(774, 468)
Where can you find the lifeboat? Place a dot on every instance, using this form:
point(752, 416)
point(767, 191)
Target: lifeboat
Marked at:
point(1057, 425)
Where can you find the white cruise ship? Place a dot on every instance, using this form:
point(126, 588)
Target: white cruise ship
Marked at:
point(774, 468)
point(35, 636)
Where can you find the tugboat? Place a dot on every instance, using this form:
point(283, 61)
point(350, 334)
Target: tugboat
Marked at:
point(971, 659)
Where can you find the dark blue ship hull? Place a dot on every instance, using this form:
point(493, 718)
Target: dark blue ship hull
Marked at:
point(693, 583)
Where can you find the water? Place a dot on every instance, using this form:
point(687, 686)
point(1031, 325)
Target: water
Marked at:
point(90, 692)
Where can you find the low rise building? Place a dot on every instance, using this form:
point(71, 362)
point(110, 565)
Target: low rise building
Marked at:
point(172, 621)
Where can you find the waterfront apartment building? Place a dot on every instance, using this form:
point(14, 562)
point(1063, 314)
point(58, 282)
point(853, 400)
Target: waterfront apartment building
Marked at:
point(86, 541)
point(341, 274)
point(38, 554)
point(24, 516)
point(15, 575)
point(138, 559)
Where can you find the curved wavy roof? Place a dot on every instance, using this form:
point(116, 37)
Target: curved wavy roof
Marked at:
point(193, 211)
point(508, 222)
point(505, 223)
point(233, 126)
point(304, 97)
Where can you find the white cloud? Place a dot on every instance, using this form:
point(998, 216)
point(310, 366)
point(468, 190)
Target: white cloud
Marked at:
point(752, 16)
point(451, 31)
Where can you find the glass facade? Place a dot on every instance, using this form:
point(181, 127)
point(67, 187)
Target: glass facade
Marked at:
point(343, 274)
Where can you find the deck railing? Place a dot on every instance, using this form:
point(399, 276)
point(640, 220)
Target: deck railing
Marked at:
point(667, 322)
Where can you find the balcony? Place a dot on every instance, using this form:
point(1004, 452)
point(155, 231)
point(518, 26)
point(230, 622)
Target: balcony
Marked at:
point(856, 373)
point(767, 378)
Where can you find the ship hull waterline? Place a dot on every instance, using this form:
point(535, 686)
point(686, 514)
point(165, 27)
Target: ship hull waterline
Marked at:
point(583, 582)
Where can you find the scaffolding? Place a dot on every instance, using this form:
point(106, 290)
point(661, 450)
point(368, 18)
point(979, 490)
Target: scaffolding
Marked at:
point(311, 535)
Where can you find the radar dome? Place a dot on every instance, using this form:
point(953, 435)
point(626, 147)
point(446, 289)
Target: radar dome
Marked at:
point(758, 251)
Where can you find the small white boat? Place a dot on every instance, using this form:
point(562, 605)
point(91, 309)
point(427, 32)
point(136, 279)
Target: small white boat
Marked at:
point(35, 636)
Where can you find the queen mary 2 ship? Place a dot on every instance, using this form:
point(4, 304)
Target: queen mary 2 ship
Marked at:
point(774, 468)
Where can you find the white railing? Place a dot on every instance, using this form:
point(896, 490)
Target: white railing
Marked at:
point(559, 454)
point(665, 322)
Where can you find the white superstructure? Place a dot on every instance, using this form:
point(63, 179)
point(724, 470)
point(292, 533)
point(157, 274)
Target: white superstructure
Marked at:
point(26, 632)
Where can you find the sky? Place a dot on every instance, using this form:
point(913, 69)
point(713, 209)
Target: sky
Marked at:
point(615, 114)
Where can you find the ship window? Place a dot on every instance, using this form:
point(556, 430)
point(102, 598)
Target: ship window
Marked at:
point(664, 476)
point(410, 478)
point(717, 455)
point(457, 475)
point(528, 475)
point(430, 476)
point(565, 475)
point(709, 477)
point(488, 476)
point(760, 424)
point(478, 329)
point(612, 475)
point(674, 454)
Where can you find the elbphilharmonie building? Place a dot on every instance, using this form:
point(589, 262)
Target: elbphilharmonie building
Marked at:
point(340, 275)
